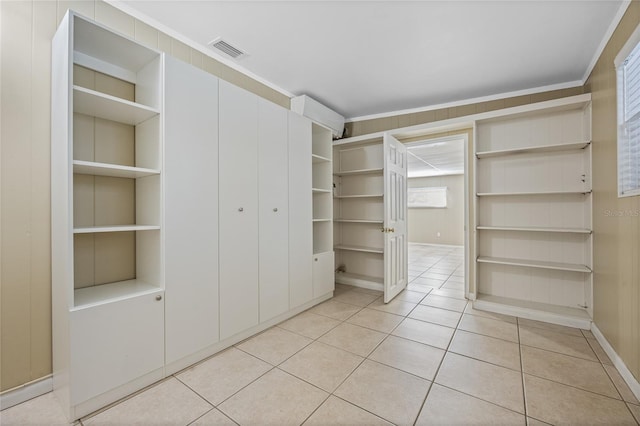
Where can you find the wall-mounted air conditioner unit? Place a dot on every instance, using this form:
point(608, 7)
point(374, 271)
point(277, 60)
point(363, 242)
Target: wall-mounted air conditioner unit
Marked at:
point(310, 108)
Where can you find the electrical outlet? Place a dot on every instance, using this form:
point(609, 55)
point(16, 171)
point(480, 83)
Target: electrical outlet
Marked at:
point(438, 234)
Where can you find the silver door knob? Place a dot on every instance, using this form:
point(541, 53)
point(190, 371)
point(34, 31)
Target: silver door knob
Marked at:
point(241, 209)
point(159, 297)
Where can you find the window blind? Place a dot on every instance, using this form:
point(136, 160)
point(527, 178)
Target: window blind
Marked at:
point(629, 124)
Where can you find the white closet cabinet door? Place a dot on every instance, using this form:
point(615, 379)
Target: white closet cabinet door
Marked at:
point(191, 209)
point(323, 275)
point(273, 206)
point(300, 210)
point(238, 174)
point(114, 343)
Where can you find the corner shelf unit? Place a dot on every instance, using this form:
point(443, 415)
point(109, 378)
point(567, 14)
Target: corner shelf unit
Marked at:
point(322, 191)
point(359, 213)
point(533, 213)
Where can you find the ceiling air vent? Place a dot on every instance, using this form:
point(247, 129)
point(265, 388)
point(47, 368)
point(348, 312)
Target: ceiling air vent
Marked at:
point(226, 48)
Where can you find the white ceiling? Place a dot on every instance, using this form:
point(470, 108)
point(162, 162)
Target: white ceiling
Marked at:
point(435, 158)
point(362, 58)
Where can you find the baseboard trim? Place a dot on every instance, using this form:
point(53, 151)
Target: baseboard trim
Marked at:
point(628, 377)
point(25, 392)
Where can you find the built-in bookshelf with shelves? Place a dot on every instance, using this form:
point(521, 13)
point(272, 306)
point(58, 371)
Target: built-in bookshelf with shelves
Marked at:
point(116, 165)
point(106, 212)
point(359, 213)
point(533, 212)
point(322, 189)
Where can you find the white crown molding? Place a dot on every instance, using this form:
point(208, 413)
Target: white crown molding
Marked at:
point(607, 36)
point(559, 86)
point(205, 51)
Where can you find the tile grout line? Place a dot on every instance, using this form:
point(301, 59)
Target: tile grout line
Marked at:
point(524, 392)
point(435, 375)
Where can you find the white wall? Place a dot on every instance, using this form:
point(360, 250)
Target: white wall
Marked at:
point(424, 224)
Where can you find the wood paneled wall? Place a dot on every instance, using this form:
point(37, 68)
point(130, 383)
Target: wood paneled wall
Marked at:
point(616, 221)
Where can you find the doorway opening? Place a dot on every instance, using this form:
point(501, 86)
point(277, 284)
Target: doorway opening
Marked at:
point(437, 201)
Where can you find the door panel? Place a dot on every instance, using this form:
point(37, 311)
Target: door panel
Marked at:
point(395, 217)
point(191, 209)
point(238, 209)
point(115, 342)
point(273, 206)
point(323, 275)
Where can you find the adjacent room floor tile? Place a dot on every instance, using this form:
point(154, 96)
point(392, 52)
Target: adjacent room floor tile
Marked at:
point(407, 355)
point(376, 320)
point(424, 332)
point(274, 345)
point(337, 412)
point(224, 374)
point(489, 327)
point(353, 338)
point(448, 407)
point(356, 298)
point(322, 365)
point(169, 402)
point(277, 398)
point(309, 324)
point(387, 392)
point(486, 381)
point(428, 281)
point(410, 296)
point(535, 422)
point(420, 288)
point(436, 315)
point(583, 374)
point(214, 418)
point(448, 292)
point(444, 303)
point(335, 310)
point(556, 403)
point(485, 348)
point(396, 306)
point(557, 342)
point(44, 410)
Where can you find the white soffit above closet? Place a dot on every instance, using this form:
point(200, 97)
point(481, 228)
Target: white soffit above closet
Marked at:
point(362, 58)
point(435, 158)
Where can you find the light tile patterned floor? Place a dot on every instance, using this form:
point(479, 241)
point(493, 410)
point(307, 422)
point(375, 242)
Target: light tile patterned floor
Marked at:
point(426, 358)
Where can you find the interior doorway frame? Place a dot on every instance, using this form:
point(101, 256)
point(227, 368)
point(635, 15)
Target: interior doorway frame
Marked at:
point(464, 135)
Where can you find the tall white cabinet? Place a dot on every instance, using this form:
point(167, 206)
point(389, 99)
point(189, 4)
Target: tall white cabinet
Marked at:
point(182, 215)
point(238, 171)
point(533, 212)
point(190, 209)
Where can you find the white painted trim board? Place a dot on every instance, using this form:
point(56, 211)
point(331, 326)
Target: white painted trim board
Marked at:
point(626, 374)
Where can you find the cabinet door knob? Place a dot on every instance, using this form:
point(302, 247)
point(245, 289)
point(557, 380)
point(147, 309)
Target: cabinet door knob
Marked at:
point(316, 259)
point(241, 209)
point(159, 297)
point(275, 209)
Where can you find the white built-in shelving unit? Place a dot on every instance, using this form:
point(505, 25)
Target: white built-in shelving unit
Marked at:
point(533, 212)
point(107, 222)
point(322, 190)
point(358, 215)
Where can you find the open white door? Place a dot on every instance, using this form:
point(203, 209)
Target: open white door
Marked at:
point(395, 217)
